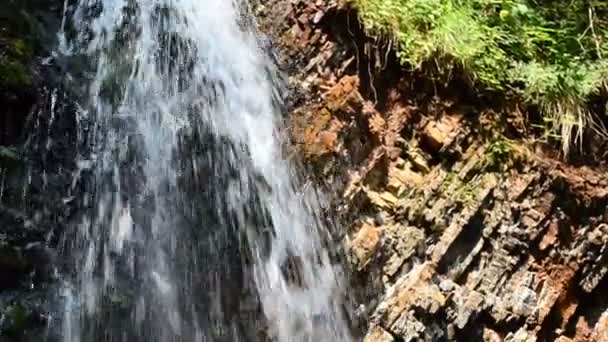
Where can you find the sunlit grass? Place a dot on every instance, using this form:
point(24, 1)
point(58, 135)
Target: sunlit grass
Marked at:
point(549, 53)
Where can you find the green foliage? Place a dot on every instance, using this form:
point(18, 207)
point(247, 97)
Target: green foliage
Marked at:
point(19, 49)
point(551, 53)
point(500, 155)
point(14, 60)
point(8, 153)
point(16, 47)
point(13, 75)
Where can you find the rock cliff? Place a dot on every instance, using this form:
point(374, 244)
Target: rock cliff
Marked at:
point(37, 157)
point(460, 222)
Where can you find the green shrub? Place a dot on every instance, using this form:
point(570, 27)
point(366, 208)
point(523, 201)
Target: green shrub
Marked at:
point(550, 53)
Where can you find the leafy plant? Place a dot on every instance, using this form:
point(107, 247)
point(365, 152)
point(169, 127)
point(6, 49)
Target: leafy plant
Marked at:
point(498, 155)
point(549, 53)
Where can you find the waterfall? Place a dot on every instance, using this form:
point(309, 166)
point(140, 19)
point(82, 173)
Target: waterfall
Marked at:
point(194, 227)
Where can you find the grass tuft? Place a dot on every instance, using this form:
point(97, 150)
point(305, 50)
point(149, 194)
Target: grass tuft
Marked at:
point(553, 54)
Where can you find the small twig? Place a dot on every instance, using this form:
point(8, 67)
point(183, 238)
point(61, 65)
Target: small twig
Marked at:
point(597, 43)
point(580, 38)
point(371, 79)
point(388, 50)
point(352, 35)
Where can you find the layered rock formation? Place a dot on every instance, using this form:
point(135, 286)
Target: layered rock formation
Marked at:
point(460, 221)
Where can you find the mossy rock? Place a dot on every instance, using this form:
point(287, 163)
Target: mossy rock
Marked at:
point(17, 47)
point(14, 75)
point(26, 28)
point(15, 64)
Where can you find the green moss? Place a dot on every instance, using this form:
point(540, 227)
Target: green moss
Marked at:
point(14, 74)
point(16, 47)
point(20, 49)
point(498, 155)
point(14, 65)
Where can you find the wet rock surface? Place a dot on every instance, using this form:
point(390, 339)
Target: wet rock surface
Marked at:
point(37, 159)
point(458, 224)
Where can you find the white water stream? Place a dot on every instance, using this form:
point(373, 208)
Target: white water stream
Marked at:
point(183, 122)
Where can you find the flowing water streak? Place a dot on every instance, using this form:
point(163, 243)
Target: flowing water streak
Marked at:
point(170, 66)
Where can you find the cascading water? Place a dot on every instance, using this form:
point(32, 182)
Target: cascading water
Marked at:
point(192, 209)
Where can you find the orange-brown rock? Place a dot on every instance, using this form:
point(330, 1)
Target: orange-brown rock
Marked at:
point(366, 244)
point(439, 133)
